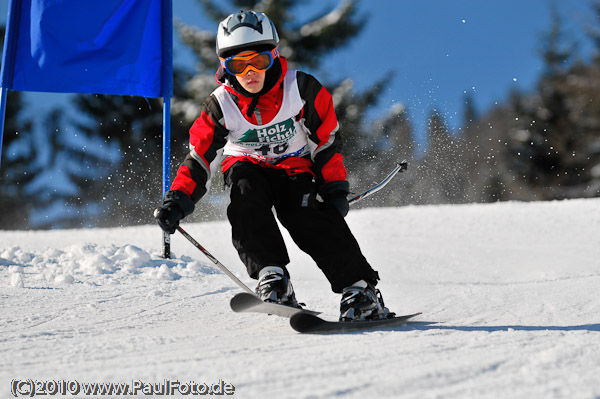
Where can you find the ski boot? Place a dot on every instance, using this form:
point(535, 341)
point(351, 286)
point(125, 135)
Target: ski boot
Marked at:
point(362, 301)
point(275, 286)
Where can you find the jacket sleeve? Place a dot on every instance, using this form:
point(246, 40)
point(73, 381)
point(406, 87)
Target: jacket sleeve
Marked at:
point(321, 122)
point(207, 137)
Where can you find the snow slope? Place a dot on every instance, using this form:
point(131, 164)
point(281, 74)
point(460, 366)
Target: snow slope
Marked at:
point(508, 291)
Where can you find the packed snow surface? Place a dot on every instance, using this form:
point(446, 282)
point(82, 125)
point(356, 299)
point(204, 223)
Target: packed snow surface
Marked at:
point(508, 291)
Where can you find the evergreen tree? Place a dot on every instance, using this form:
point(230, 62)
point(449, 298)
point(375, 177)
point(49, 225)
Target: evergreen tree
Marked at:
point(542, 145)
point(18, 162)
point(18, 165)
point(440, 175)
point(131, 187)
point(493, 173)
point(469, 111)
point(593, 32)
point(51, 187)
point(552, 134)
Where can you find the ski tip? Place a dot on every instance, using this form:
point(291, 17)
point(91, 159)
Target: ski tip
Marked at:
point(305, 322)
point(245, 302)
point(242, 301)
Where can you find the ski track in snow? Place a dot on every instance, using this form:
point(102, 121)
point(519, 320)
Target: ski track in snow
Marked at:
point(508, 291)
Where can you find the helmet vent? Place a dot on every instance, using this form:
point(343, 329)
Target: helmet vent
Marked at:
point(244, 18)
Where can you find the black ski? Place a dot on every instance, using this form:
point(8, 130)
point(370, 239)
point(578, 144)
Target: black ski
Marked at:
point(244, 302)
point(307, 323)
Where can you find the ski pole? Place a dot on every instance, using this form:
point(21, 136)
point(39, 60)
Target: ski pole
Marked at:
point(215, 261)
point(402, 166)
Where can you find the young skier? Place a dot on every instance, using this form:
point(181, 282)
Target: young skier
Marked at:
point(277, 134)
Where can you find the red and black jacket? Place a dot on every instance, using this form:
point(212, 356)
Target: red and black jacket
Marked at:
point(208, 136)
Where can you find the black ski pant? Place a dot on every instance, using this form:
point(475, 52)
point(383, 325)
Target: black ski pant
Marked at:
point(317, 229)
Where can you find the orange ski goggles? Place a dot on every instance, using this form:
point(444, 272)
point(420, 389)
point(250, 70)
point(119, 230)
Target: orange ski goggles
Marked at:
point(240, 64)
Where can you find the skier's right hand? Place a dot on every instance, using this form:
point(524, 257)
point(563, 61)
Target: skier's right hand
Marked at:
point(335, 195)
point(176, 205)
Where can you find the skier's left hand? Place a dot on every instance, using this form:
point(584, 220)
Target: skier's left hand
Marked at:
point(176, 205)
point(335, 195)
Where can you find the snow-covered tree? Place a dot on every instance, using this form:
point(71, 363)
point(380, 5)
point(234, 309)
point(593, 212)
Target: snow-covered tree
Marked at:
point(18, 163)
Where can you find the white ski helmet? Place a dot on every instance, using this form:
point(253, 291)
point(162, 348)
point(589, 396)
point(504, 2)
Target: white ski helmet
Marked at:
point(245, 29)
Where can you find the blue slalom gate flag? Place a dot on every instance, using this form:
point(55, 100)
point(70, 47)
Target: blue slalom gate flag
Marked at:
point(120, 47)
point(83, 46)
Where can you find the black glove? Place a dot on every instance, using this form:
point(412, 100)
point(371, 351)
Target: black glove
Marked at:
point(176, 205)
point(334, 194)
